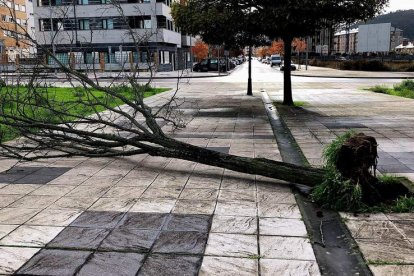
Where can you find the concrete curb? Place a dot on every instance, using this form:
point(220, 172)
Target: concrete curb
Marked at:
point(353, 77)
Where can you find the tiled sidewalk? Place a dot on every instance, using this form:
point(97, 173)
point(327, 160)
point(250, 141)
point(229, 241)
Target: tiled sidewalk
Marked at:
point(158, 216)
point(386, 240)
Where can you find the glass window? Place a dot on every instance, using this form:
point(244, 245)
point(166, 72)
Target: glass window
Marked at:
point(147, 24)
point(84, 24)
point(23, 8)
point(108, 24)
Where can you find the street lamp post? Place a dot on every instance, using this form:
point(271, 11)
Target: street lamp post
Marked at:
point(249, 80)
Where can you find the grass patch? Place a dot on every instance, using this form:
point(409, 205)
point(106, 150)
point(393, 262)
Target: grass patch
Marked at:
point(59, 105)
point(340, 194)
point(295, 103)
point(404, 89)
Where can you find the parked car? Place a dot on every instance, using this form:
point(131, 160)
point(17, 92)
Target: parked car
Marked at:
point(275, 60)
point(341, 58)
point(210, 64)
point(292, 67)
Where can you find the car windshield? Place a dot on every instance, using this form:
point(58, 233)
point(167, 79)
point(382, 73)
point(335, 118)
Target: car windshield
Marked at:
point(213, 61)
point(275, 58)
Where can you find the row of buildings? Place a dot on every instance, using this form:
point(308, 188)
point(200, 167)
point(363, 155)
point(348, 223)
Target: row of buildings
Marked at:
point(365, 39)
point(118, 34)
point(82, 32)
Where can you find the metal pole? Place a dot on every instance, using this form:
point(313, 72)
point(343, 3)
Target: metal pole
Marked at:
point(249, 80)
point(307, 53)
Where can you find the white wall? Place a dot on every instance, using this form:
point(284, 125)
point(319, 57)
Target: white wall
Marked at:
point(374, 38)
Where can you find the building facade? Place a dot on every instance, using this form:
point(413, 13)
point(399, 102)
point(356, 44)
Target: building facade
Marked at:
point(13, 26)
point(321, 42)
point(345, 42)
point(116, 34)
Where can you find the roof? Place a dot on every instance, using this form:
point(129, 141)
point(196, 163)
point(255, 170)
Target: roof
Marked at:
point(344, 32)
point(409, 46)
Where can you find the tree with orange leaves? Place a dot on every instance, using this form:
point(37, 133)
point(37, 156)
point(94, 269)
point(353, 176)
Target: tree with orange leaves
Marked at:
point(200, 50)
point(277, 47)
point(263, 51)
point(299, 45)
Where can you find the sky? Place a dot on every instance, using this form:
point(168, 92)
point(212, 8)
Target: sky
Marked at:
point(395, 5)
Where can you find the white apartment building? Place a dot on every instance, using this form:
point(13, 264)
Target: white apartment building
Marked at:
point(112, 32)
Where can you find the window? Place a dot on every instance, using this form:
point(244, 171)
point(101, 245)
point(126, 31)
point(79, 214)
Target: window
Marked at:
point(16, 7)
point(3, 18)
point(107, 24)
point(23, 8)
point(84, 24)
point(83, 2)
point(9, 4)
point(164, 57)
point(147, 24)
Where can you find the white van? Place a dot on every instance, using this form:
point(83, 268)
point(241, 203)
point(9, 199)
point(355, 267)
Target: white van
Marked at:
point(275, 60)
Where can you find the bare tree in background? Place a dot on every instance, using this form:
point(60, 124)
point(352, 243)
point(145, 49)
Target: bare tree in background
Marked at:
point(48, 128)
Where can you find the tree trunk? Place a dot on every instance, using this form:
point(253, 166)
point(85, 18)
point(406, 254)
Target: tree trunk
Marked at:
point(287, 88)
point(259, 166)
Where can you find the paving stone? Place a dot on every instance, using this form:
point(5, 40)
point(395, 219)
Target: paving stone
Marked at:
point(53, 217)
point(53, 190)
point(34, 202)
point(292, 248)
point(170, 265)
point(162, 193)
point(361, 229)
point(202, 207)
point(406, 227)
point(129, 239)
point(232, 245)
point(113, 204)
point(112, 263)
point(6, 200)
point(225, 266)
point(242, 194)
point(387, 250)
point(74, 203)
point(35, 236)
point(147, 221)
point(89, 191)
point(98, 219)
point(54, 262)
point(181, 242)
point(35, 179)
point(178, 222)
point(199, 194)
point(282, 227)
point(125, 192)
point(234, 225)
point(79, 238)
point(12, 258)
point(392, 270)
point(267, 209)
point(18, 189)
point(16, 215)
point(233, 208)
point(153, 205)
point(270, 267)
point(237, 184)
point(278, 197)
point(6, 229)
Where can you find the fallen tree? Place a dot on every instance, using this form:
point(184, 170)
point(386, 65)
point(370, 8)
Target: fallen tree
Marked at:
point(48, 128)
